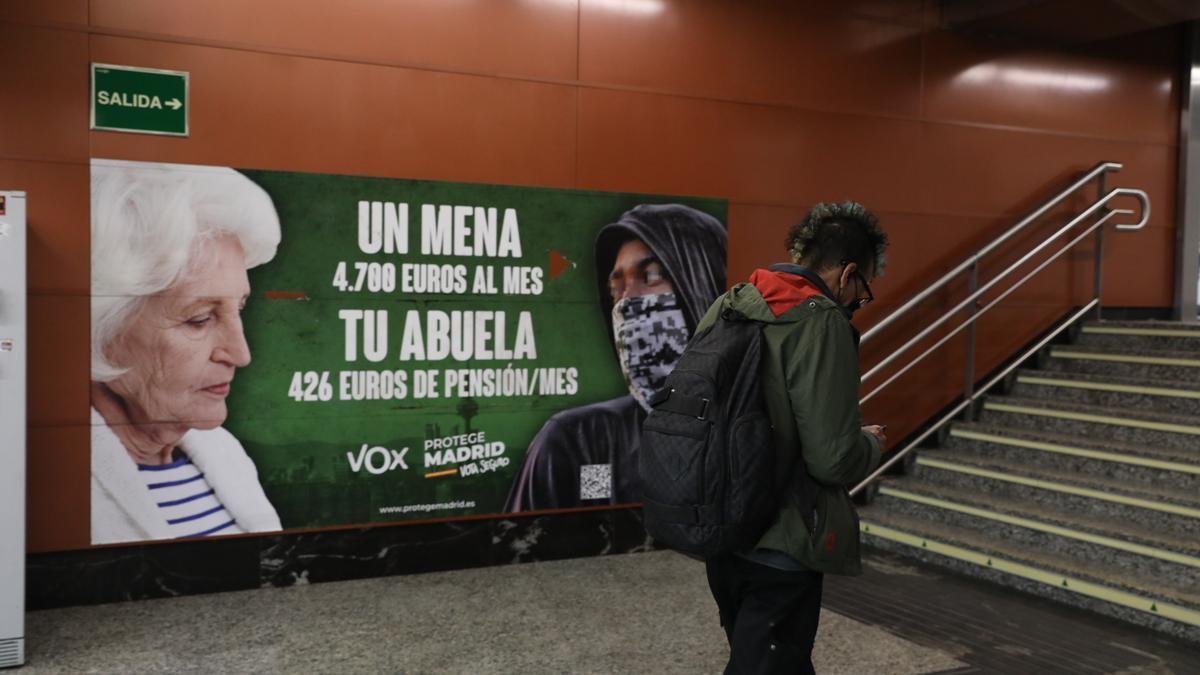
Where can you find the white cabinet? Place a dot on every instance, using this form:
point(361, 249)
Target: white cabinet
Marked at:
point(13, 350)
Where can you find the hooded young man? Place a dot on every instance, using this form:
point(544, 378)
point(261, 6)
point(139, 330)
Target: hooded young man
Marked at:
point(769, 597)
point(659, 268)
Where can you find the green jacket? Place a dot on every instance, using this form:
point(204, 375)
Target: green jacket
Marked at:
point(810, 381)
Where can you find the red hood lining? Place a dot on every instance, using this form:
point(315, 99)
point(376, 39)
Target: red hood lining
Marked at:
point(781, 290)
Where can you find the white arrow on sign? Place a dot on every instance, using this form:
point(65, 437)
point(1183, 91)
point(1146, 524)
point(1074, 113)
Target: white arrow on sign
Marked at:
point(174, 104)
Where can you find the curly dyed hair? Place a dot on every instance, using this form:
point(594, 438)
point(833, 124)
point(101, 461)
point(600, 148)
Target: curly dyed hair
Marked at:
point(831, 234)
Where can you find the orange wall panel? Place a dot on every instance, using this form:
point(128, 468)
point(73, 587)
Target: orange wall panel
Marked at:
point(973, 171)
point(44, 12)
point(60, 360)
point(905, 12)
point(57, 215)
point(926, 245)
point(1010, 327)
point(1139, 268)
point(304, 114)
point(751, 153)
point(765, 228)
point(1126, 90)
point(510, 37)
point(756, 52)
point(53, 123)
point(56, 495)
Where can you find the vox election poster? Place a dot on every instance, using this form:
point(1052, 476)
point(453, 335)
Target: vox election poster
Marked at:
point(276, 350)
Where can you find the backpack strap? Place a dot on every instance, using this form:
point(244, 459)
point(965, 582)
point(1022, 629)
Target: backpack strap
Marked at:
point(679, 402)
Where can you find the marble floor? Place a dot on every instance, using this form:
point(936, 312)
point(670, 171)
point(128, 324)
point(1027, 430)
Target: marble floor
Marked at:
point(639, 613)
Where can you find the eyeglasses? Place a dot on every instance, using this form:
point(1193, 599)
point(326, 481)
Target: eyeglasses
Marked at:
point(859, 303)
point(862, 302)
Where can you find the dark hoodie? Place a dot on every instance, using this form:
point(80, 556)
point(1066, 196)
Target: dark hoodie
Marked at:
point(586, 443)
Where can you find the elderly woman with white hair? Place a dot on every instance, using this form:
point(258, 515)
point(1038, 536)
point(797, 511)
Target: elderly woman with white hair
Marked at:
point(170, 248)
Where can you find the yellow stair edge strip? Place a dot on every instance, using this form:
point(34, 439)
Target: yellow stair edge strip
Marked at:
point(1149, 332)
point(1106, 386)
point(1059, 487)
point(1087, 588)
point(1076, 452)
point(1129, 547)
point(1125, 358)
point(1088, 417)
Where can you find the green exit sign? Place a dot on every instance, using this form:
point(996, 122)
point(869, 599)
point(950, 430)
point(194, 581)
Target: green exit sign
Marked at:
point(139, 100)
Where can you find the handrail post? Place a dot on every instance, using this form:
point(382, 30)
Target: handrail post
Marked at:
point(1098, 267)
point(969, 385)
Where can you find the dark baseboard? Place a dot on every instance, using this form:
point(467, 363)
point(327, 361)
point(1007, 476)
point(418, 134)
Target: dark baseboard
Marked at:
point(160, 570)
point(1137, 313)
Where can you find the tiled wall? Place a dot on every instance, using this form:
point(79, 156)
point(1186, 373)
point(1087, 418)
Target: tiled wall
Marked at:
point(771, 104)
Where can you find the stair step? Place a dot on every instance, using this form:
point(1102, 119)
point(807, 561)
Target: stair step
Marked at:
point(1136, 538)
point(1167, 500)
point(1173, 459)
point(1149, 327)
point(1172, 509)
point(1106, 589)
point(1156, 589)
point(1181, 397)
point(1099, 457)
point(1170, 558)
point(1129, 425)
point(1125, 361)
point(1149, 334)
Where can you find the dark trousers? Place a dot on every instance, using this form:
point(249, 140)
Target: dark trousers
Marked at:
point(770, 616)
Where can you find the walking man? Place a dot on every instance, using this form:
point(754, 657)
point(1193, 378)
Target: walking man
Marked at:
point(769, 597)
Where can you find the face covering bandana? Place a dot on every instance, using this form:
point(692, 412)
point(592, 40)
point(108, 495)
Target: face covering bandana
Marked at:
point(650, 335)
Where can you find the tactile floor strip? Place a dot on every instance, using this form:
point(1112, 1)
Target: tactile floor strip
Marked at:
point(1125, 358)
point(1144, 332)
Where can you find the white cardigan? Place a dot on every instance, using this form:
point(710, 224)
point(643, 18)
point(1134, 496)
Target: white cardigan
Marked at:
point(122, 509)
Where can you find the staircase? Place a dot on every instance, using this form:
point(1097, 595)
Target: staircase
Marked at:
point(1079, 482)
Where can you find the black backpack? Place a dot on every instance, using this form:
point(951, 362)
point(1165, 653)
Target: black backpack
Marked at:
point(709, 474)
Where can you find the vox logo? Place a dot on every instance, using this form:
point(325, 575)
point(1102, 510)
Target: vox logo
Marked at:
point(377, 460)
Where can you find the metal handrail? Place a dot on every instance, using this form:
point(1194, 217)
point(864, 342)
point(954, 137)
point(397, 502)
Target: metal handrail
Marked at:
point(974, 297)
point(971, 394)
point(954, 412)
point(1096, 172)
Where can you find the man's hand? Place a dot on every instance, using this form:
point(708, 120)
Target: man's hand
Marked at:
point(877, 430)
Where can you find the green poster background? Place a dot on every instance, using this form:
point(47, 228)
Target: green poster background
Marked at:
point(292, 325)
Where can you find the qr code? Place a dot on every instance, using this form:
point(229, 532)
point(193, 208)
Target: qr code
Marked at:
point(595, 481)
